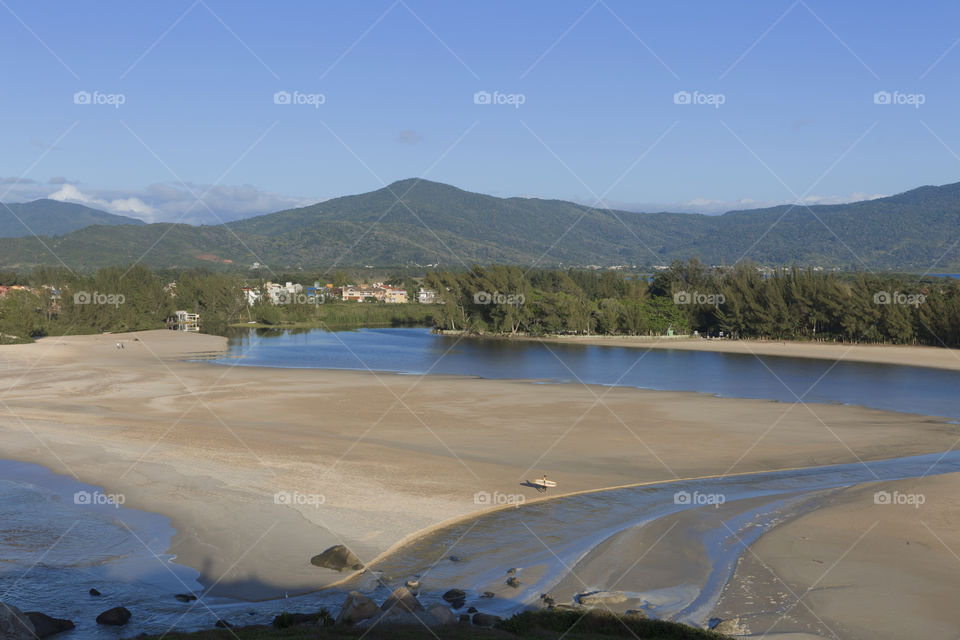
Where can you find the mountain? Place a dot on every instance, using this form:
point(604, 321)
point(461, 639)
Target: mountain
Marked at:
point(415, 221)
point(53, 218)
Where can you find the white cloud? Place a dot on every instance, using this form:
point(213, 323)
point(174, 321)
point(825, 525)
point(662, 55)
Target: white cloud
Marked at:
point(124, 206)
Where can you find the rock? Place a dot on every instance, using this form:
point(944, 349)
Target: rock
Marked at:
point(636, 613)
point(14, 624)
point(456, 597)
point(598, 598)
point(731, 627)
point(549, 601)
point(485, 619)
point(94, 592)
point(223, 624)
point(442, 614)
point(472, 610)
point(357, 607)
point(487, 594)
point(338, 558)
point(456, 559)
point(44, 625)
point(402, 599)
point(185, 597)
point(513, 582)
point(512, 571)
point(116, 617)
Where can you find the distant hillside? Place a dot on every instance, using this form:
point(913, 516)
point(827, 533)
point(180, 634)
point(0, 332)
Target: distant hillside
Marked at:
point(435, 222)
point(53, 218)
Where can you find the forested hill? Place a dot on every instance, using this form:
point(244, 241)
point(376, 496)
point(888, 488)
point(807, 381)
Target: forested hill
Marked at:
point(418, 222)
point(53, 218)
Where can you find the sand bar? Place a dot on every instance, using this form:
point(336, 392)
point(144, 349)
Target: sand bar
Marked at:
point(211, 446)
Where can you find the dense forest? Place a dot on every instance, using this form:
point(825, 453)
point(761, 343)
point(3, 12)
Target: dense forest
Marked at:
point(737, 302)
point(740, 302)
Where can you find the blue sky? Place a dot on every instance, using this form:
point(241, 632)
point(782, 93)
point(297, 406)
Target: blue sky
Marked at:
point(597, 81)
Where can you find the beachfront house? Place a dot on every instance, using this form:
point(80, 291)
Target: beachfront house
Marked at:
point(393, 295)
point(426, 296)
point(184, 321)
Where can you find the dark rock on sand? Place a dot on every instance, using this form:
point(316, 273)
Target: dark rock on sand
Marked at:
point(487, 594)
point(116, 617)
point(185, 597)
point(472, 610)
point(44, 625)
point(338, 558)
point(485, 619)
point(513, 582)
point(14, 624)
point(357, 607)
point(223, 624)
point(456, 597)
point(94, 592)
point(456, 559)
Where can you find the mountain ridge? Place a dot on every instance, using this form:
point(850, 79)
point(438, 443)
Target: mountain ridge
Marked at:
point(46, 217)
point(418, 222)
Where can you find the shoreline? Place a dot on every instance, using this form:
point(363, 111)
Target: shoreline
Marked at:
point(396, 457)
point(900, 355)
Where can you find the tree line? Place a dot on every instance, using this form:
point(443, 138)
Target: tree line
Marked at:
point(687, 297)
point(736, 302)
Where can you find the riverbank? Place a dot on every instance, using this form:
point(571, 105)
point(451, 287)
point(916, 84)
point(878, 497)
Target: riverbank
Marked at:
point(261, 469)
point(904, 355)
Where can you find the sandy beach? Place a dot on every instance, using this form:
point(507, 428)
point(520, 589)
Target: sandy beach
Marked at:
point(260, 469)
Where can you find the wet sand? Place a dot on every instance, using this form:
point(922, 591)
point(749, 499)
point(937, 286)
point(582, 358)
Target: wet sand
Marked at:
point(211, 446)
point(854, 568)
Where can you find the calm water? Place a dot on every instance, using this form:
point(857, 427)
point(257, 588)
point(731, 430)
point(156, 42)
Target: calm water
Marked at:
point(897, 388)
point(54, 550)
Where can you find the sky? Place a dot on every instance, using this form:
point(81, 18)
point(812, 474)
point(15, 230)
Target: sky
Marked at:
point(208, 110)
